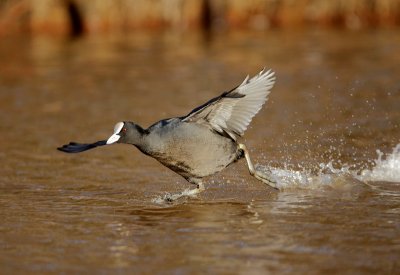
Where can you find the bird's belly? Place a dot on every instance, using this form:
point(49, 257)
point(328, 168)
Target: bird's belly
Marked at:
point(198, 158)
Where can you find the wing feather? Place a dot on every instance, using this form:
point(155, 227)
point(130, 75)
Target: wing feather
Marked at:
point(232, 111)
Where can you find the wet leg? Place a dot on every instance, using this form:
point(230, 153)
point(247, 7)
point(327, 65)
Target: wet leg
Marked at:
point(257, 173)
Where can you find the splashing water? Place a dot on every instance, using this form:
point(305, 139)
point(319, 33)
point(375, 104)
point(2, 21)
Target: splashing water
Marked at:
point(287, 178)
point(385, 169)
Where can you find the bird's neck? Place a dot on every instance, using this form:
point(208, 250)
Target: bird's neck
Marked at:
point(138, 136)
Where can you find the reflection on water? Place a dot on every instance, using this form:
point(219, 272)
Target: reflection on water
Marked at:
point(335, 103)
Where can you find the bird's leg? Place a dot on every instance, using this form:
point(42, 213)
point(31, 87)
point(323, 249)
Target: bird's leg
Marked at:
point(187, 193)
point(257, 173)
point(199, 187)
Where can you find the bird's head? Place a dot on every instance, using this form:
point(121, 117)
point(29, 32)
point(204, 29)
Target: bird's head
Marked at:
point(125, 132)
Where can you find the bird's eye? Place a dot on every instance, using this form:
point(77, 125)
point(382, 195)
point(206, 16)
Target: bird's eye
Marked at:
point(124, 130)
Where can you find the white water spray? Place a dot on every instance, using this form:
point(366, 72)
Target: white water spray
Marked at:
point(387, 169)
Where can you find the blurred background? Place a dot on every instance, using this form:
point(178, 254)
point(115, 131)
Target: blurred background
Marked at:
point(71, 69)
point(75, 17)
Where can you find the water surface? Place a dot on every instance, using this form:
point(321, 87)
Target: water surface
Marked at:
point(328, 133)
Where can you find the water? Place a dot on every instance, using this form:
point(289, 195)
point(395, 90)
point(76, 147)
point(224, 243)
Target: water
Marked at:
point(329, 134)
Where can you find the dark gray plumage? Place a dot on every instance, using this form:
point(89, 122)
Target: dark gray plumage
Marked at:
point(203, 142)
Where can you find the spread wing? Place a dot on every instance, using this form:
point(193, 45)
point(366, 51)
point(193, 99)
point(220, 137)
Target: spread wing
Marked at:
point(231, 112)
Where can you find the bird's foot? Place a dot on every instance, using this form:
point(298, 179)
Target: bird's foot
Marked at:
point(186, 193)
point(171, 197)
point(266, 177)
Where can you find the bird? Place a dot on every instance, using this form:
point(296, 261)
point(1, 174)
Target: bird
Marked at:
point(203, 142)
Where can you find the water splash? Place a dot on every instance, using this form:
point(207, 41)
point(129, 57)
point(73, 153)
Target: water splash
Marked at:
point(384, 169)
point(387, 169)
point(306, 179)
